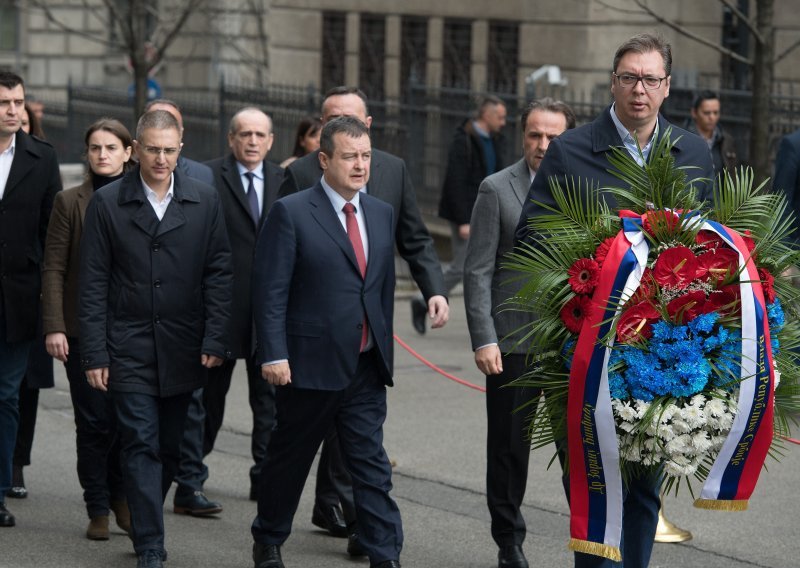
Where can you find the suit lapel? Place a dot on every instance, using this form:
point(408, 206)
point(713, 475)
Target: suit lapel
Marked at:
point(374, 185)
point(520, 180)
point(131, 192)
point(25, 158)
point(323, 213)
point(233, 181)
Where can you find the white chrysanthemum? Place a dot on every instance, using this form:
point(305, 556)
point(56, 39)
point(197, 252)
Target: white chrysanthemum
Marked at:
point(725, 421)
point(698, 400)
point(777, 374)
point(680, 425)
point(627, 426)
point(632, 453)
point(668, 413)
point(679, 445)
point(717, 442)
point(625, 411)
point(694, 416)
point(715, 407)
point(701, 442)
point(676, 466)
point(666, 432)
point(641, 408)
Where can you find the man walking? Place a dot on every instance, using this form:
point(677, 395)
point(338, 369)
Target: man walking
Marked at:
point(155, 293)
point(323, 299)
point(29, 181)
point(496, 331)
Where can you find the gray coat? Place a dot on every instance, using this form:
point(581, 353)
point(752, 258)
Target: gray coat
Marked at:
point(486, 284)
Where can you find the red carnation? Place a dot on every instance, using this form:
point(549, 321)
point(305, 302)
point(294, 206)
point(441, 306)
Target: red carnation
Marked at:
point(767, 284)
point(661, 221)
point(718, 264)
point(709, 240)
point(574, 312)
point(583, 275)
point(636, 322)
point(686, 307)
point(602, 250)
point(725, 300)
point(675, 267)
point(749, 243)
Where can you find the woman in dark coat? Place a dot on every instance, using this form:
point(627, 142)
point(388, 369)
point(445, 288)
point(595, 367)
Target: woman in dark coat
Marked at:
point(108, 152)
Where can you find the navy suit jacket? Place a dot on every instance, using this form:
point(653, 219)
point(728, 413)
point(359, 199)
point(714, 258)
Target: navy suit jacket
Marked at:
point(309, 298)
point(582, 153)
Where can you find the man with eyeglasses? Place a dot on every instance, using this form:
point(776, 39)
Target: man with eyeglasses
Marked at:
point(640, 82)
point(155, 294)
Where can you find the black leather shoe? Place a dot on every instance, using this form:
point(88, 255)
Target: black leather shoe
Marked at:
point(330, 518)
point(18, 490)
point(267, 556)
point(150, 559)
point(6, 518)
point(386, 564)
point(195, 504)
point(511, 557)
point(354, 547)
point(418, 313)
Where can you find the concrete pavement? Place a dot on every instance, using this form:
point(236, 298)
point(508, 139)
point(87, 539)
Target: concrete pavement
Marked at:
point(435, 432)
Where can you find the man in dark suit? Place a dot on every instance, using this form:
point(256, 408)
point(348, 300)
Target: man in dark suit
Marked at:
point(191, 472)
point(787, 175)
point(639, 84)
point(247, 185)
point(495, 330)
point(323, 299)
point(29, 181)
point(155, 294)
point(389, 182)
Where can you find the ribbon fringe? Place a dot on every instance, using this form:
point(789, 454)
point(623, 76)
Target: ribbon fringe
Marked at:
point(721, 505)
point(596, 549)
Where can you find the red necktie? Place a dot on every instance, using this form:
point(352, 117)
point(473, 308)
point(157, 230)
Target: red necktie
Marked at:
point(358, 247)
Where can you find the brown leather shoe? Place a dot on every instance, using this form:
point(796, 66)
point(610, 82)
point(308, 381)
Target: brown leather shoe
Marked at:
point(98, 528)
point(122, 515)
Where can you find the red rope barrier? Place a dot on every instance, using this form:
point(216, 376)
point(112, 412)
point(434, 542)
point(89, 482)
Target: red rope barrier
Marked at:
point(442, 372)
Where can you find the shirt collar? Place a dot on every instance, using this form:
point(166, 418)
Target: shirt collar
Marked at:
point(258, 170)
point(149, 193)
point(628, 139)
point(11, 147)
point(481, 132)
point(337, 200)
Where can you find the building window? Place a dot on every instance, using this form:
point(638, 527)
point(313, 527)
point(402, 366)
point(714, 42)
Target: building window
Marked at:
point(503, 57)
point(457, 54)
point(9, 25)
point(413, 52)
point(371, 55)
point(333, 49)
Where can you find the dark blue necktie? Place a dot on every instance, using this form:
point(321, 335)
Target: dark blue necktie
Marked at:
point(252, 198)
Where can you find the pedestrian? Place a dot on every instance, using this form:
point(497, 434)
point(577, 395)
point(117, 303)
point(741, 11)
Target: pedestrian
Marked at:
point(108, 147)
point(323, 297)
point(29, 181)
point(154, 302)
point(640, 81)
point(306, 140)
point(498, 333)
point(705, 123)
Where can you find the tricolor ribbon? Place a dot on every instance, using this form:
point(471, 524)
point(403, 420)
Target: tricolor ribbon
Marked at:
point(595, 479)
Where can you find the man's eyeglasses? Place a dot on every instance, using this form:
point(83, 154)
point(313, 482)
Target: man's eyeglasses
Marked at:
point(650, 83)
point(155, 150)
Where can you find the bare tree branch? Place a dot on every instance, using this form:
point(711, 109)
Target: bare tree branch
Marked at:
point(43, 6)
point(621, 10)
point(190, 7)
point(750, 24)
point(787, 51)
point(683, 31)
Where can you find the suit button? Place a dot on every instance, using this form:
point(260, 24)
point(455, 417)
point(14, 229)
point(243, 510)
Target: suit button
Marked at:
point(157, 283)
point(360, 326)
point(157, 319)
point(156, 247)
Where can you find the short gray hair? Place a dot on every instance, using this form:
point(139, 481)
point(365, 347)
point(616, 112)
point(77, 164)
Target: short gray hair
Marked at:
point(158, 119)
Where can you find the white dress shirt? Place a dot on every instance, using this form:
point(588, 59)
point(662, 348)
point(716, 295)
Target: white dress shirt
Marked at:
point(6, 159)
point(258, 181)
point(160, 207)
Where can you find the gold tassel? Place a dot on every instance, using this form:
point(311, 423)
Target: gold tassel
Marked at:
point(720, 505)
point(596, 549)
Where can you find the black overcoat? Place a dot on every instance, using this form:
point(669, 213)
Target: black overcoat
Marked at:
point(154, 295)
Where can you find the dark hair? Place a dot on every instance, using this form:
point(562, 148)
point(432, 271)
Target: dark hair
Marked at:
point(550, 105)
point(645, 43)
point(34, 126)
point(115, 127)
point(488, 101)
point(348, 125)
point(309, 125)
point(10, 80)
point(159, 119)
point(343, 90)
point(704, 96)
point(166, 102)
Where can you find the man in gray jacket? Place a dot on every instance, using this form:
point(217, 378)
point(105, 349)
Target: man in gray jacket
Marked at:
point(492, 328)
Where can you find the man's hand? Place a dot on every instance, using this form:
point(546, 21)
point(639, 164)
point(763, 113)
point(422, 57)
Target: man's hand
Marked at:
point(209, 361)
point(488, 360)
point(463, 231)
point(438, 310)
point(98, 378)
point(57, 346)
point(277, 374)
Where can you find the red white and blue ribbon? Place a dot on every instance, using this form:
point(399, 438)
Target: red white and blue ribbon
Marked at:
point(595, 479)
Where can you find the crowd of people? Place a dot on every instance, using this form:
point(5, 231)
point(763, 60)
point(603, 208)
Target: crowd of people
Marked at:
point(151, 278)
